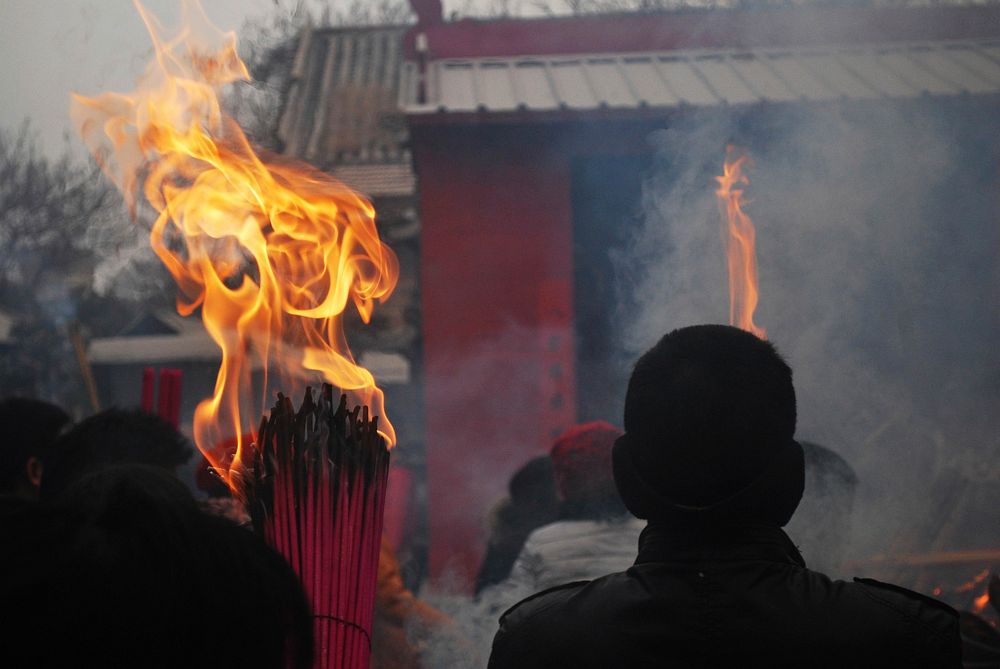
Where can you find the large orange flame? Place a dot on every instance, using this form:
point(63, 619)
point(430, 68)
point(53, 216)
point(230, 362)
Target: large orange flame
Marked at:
point(739, 238)
point(271, 251)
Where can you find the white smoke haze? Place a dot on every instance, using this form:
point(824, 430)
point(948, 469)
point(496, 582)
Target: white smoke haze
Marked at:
point(482, 379)
point(490, 382)
point(128, 268)
point(876, 246)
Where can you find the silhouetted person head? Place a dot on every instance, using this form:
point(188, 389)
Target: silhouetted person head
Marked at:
point(29, 428)
point(709, 426)
point(531, 503)
point(124, 570)
point(533, 485)
point(581, 466)
point(114, 436)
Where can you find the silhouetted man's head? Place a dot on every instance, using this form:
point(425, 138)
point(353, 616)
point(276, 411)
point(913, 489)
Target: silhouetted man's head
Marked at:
point(114, 436)
point(533, 485)
point(124, 570)
point(29, 428)
point(709, 422)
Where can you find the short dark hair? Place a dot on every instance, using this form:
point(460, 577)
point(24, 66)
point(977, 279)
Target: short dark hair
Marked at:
point(708, 405)
point(29, 427)
point(533, 484)
point(114, 436)
point(124, 570)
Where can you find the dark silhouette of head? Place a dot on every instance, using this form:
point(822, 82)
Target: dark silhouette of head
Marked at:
point(29, 428)
point(531, 503)
point(124, 570)
point(533, 485)
point(709, 427)
point(114, 436)
point(581, 465)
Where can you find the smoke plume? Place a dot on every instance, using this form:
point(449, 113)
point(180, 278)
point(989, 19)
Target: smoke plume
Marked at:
point(877, 250)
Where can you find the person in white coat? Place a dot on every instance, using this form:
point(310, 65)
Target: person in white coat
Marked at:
point(595, 535)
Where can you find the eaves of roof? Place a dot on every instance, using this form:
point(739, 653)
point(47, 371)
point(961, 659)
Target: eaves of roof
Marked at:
point(659, 81)
point(773, 26)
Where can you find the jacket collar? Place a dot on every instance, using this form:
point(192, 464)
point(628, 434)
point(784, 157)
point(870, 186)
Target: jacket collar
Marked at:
point(663, 541)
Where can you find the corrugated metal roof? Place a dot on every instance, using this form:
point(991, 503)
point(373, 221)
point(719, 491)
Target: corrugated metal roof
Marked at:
point(343, 100)
point(705, 77)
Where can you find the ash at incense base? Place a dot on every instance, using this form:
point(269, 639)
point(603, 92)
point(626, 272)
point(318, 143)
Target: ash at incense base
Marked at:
point(314, 488)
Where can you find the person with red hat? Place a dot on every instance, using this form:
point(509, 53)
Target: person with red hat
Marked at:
point(594, 534)
point(709, 460)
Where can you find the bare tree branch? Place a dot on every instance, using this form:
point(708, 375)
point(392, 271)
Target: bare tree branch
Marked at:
point(60, 223)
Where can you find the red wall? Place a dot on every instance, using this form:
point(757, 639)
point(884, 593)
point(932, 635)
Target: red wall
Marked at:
point(496, 275)
point(498, 330)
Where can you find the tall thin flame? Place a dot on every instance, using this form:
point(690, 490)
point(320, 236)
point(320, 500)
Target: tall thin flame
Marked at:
point(270, 250)
point(739, 238)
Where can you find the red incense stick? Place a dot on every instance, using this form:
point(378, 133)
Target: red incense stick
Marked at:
point(314, 486)
point(174, 417)
point(163, 395)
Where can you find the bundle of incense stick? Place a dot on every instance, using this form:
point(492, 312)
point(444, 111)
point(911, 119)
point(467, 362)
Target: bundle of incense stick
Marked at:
point(314, 487)
point(169, 407)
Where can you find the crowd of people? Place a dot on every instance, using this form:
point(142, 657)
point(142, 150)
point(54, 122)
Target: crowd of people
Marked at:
point(661, 544)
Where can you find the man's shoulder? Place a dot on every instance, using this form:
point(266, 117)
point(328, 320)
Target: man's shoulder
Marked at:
point(575, 596)
point(850, 623)
point(541, 601)
point(861, 604)
point(541, 629)
point(932, 616)
point(880, 620)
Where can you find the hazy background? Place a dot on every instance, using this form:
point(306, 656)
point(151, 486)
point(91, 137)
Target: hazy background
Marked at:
point(52, 47)
point(877, 248)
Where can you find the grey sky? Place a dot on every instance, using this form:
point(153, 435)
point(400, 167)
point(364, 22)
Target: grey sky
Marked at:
point(49, 48)
point(52, 47)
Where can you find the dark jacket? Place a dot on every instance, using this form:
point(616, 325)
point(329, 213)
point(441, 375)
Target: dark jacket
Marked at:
point(739, 599)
